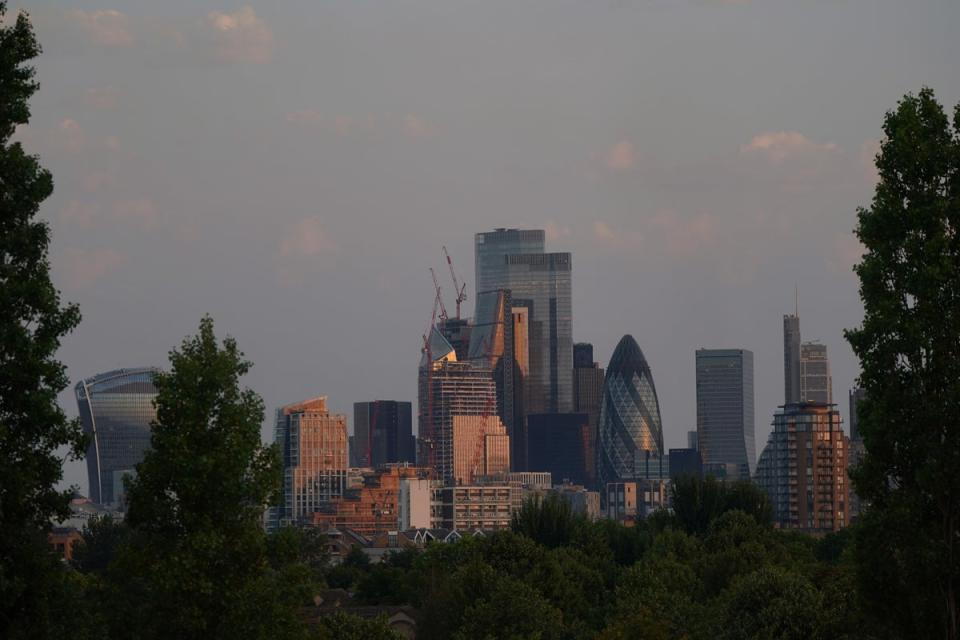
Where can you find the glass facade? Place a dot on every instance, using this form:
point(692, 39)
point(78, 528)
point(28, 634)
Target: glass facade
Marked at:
point(816, 383)
point(631, 433)
point(514, 259)
point(116, 410)
point(383, 433)
point(791, 359)
point(725, 412)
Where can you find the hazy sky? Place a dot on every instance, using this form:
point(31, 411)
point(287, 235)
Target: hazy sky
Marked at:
point(293, 169)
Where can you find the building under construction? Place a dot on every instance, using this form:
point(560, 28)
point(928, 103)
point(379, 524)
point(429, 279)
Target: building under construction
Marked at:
point(461, 435)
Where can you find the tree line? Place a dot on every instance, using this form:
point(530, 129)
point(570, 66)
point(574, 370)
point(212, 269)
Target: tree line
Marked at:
point(191, 560)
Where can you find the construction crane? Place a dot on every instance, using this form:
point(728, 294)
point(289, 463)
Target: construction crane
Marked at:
point(461, 289)
point(436, 285)
point(426, 413)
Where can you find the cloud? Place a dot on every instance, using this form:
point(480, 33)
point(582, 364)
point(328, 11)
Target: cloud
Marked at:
point(240, 37)
point(141, 211)
point(777, 146)
point(621, 156)
point(70, 135)
point(616, 241)
point(85, 267)
point(97, 180)
point(306, 239)
point(106, 28)
point(417, 127)
point(556, 231)
point(342, 125)
point(79, 213)
point(100, 98)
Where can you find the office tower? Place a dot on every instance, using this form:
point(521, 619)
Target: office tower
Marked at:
point(582, 355)
point(692, 440)
point(521, 373)
point(631, 432)
point(481, 448)
point(492, 346)
point(791, 359)
point(560, 443)
point(816, 385)
point(587, 397)
point(116, 411)
point(514, 259)
point(803, 468)
point(725, 419)
point(685, 462)
point(383, 433)
point(449, 391)
point(313, 450)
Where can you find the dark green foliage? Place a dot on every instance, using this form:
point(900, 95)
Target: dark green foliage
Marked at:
point(770, 603)
point(548, 520)
point(909, 351)
point(196, 564)
point(698, 501)
point(101, 542)
point(32, 425)
point(344, 626)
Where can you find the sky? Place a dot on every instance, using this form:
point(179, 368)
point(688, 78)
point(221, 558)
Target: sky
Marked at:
point(294, 168)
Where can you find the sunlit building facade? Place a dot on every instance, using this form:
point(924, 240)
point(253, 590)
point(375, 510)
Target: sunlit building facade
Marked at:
point(803, 468)
point(313, 447)
point(458, 416)
point(116, 411)
point(631, 433)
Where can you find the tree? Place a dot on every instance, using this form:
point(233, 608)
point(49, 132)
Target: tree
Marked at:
point(32, 425)
point(909, 351)
point(196, 564)
point(102, 538)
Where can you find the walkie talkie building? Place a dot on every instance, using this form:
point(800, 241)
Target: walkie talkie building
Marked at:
point(116, 410)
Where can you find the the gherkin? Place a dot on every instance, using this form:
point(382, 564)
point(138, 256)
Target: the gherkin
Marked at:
point(630, 427)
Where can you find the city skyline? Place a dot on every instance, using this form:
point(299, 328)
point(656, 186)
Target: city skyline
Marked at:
point(294, 170)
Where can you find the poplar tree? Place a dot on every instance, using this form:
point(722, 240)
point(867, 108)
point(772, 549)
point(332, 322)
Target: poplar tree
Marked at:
point(33, 428)
point(909, 351)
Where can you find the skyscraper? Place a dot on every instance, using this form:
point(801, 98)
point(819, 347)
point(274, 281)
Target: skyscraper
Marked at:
point(725, 419)
point(561, 444)
point(631, 432)
point(514, 259)
point(587, 396)
point(791, 359)
point(803, 468)
point(816, 384)
point(116, 411)
point(383, 433)
point(449, 391)
point(492, 346)
point(313, 449)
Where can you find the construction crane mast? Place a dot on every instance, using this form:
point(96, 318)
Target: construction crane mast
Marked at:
point(443, 309)
point(460, 289)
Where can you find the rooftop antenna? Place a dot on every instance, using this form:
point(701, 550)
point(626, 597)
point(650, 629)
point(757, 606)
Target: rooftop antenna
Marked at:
point(796, 300)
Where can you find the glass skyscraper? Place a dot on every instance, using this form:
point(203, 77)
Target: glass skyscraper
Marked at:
point(631, 432)
point(816, 383)
point(725, 418)
point(791, 359)
point(116, 410)
point(514, 259)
